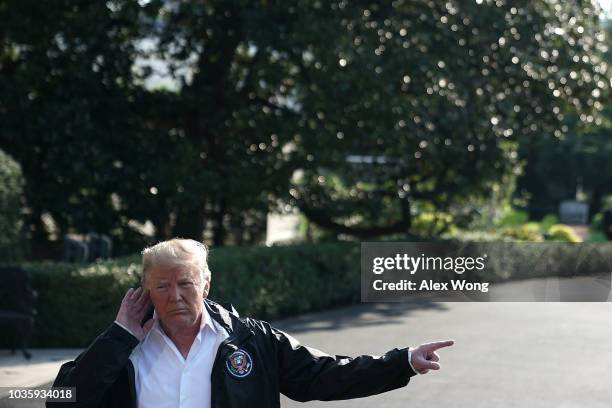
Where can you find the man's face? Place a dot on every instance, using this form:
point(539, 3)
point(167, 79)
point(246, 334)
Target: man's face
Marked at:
point(177, 293)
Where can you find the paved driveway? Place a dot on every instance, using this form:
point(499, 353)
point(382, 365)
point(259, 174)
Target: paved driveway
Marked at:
point(527, 355)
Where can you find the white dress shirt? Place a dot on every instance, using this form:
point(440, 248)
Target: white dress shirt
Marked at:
point(165, 379)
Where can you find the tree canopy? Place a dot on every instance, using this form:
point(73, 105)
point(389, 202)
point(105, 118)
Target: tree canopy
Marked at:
point(360, 114)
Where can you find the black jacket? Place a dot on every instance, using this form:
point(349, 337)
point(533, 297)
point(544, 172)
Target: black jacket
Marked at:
point(104, 375)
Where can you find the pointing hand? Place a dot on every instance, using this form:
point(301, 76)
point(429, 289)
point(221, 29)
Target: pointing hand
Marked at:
point(425, 358)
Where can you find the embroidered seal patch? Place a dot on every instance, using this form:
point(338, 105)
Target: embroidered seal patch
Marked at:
point(239, 363)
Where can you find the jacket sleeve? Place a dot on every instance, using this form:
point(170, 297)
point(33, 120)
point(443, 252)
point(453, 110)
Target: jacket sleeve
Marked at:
point(309, 374)
point(97, 368)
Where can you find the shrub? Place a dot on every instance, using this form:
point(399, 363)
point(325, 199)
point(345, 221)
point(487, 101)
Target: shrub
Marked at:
point(561, 232)
point(597, 237)
point(12, 239)
point(526, 232)
point(514, 218)
point(76, 303)
point(280, 281)
point(431, 223)
point(597, 222)
point(548, 221)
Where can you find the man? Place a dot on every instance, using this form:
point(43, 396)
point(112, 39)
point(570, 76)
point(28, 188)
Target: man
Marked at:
point(196, 353)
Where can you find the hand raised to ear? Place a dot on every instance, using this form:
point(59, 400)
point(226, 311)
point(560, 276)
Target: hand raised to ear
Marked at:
point(132, 310)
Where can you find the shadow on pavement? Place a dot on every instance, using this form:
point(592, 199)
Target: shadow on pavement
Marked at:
point(361, 315)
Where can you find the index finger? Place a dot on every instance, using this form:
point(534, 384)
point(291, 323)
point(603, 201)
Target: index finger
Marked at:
point(438, 344)
point(128, 294)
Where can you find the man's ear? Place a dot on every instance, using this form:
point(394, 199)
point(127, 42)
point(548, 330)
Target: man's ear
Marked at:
point(206, 288)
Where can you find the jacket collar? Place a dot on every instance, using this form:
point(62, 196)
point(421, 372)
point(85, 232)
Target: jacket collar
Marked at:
point(238, 331)
point(229, 320)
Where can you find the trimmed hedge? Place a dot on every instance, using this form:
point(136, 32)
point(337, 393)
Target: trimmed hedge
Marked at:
point(77, 302)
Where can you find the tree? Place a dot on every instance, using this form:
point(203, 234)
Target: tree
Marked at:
point(65, 86)
point(381, 107)
point(432, 100)
point(578, 161)
point(359, 114)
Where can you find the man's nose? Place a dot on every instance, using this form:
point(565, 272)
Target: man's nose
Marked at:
point(174, 293)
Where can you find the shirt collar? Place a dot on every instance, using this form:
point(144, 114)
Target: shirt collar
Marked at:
point(207, 321)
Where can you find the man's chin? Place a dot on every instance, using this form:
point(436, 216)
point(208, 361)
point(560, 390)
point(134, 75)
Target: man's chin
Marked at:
point(179, 321)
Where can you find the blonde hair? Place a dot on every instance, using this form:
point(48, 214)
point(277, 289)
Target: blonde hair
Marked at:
point(176, 252)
